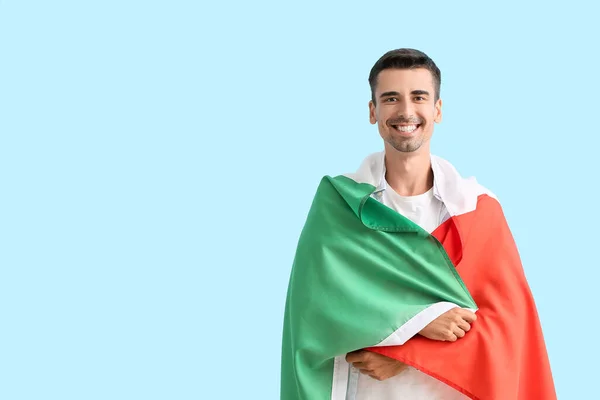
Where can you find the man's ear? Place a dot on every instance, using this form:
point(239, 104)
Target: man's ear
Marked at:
point(372, 116)
point(438, 111)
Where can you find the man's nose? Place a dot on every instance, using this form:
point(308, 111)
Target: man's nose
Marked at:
point(405, 109)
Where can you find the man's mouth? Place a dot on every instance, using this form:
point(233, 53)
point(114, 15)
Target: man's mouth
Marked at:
point(406, 128)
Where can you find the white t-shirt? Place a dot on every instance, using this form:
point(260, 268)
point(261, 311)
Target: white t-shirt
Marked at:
point(426, 211)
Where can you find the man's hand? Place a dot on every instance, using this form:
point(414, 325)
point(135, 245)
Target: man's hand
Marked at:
point(450, 326)
point(375, 365)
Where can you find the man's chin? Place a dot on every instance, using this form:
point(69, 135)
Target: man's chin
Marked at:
point(405, 146)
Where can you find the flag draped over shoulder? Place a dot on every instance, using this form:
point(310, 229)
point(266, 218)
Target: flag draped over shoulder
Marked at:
point(364, 273)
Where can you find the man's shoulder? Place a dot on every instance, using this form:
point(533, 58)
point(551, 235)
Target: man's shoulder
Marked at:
point(370, 169)
point(461, 190)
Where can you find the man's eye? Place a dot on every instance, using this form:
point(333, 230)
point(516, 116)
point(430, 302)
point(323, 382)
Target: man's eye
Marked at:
point(390, 99)
point(420, 98)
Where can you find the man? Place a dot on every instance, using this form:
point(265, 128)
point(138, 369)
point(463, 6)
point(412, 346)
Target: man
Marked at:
point(406, 282)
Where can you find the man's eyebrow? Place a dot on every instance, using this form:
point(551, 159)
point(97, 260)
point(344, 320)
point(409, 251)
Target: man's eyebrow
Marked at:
point(385, 94)
point(414, 93)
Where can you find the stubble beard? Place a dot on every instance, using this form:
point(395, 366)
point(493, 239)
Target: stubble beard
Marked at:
point(405, 145)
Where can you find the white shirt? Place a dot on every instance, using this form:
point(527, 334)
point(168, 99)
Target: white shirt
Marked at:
point(424, 210)
point(428, 212)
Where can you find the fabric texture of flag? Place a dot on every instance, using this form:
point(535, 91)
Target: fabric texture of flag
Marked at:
point(365, 277)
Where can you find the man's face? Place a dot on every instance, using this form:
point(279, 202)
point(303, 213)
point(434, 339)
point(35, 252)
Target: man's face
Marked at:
point(405, 109)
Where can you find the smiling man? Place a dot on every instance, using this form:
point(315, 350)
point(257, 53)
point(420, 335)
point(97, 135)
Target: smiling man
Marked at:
point(407, 283)
point(407, 104)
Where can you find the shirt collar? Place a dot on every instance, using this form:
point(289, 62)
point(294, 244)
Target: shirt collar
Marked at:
point(458, 194)
point(437, 174)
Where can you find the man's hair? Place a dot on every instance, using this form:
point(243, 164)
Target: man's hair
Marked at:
point(405, 59)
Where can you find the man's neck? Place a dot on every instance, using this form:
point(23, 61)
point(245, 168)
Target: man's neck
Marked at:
point(409, 174)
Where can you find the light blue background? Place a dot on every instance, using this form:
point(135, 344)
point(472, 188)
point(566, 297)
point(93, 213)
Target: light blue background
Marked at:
point(157, 160)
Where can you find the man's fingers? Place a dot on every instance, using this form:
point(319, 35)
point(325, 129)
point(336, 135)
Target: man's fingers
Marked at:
point(467, 315)
point(360, 365)
point(459, 332)
point(355, 356)
point(447, 335)
point(363, 368)
point(464, 325)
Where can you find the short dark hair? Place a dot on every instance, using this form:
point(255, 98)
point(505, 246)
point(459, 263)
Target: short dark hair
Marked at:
point(405, 59)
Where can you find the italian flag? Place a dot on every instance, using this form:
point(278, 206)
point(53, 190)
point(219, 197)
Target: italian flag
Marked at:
point(365, 277)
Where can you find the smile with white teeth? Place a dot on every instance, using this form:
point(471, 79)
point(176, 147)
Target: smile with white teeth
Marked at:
point(406, 128)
